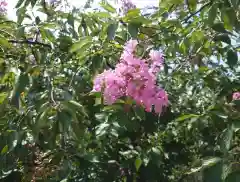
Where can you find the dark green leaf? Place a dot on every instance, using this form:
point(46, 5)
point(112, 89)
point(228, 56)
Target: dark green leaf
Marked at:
point(219, 27)
point(33, 2)
point(76, 106)
point(19, 3)
point(37, 20)
point(133, 30)
point(20, 86)
point(227, 138)
point(233, 177)
point(224, 38)
point(232, 58)
point(111, 30)
point(213, 171)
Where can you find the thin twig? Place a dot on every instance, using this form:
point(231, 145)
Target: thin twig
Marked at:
point(29, 42)
point(193, 14)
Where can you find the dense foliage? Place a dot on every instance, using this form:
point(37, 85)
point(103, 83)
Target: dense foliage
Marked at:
point(54, 128)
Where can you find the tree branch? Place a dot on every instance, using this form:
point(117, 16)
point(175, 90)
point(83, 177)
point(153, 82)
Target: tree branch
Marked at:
point(193, 14)
point(30, 43)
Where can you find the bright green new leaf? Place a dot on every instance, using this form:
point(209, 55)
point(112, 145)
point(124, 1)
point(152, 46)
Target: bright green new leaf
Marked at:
point(4, 42)
point(138, 163)
point(187, 116)
point(4, 150)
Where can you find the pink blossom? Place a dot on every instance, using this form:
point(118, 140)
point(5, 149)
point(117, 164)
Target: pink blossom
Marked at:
point(133, 78)
point(3, 7)
point(156, 61)
point(130, 46)
point(236, 96)
point(156, 56)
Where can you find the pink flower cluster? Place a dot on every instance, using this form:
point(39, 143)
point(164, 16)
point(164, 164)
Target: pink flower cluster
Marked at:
point(236, 96)
point(3, 7)
point(134, 78)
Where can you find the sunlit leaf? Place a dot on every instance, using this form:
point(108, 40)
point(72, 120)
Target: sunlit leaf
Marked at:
point(82, 42)
point(105, 5)
point(138, 163)
point(4, 150)
point(187, 116)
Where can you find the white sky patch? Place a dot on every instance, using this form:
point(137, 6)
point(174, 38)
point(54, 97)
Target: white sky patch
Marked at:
point(78, 3)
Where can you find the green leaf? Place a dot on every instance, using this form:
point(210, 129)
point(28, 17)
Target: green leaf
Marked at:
point(235, 3)
point(42, 120)
point(233, 177)
point(224, 38)
point(219, 27)
point(102, 129)
point(4, 150)
point(33, 2)
point(65, 120)
point(138, 163)
point(4, 42)
point(105, 5)
point(76, 106)
point(111, 30)
point(236, 125)
point(227, 138)
point(213, 171)
point(21, 13)
point(231, 17)
point(140, 113)
point(232, 58)
point(22, 82)
point(185, 117)
point(19, 3)
point(47, 34)
point(102, 15)
point(206, 164)
point(20, 32)
point(37, 20)
point(132, 13)
point(133, 30)
point(3, 96)
point(82, 42)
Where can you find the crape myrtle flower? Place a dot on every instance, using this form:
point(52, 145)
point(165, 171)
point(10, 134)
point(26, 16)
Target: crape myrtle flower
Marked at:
point(134, 78)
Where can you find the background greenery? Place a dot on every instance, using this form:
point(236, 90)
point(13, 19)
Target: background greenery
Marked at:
point(53, 129)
